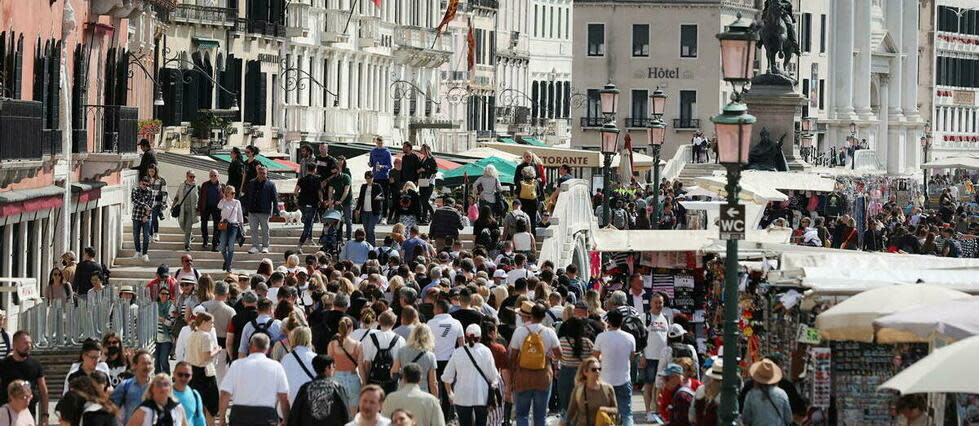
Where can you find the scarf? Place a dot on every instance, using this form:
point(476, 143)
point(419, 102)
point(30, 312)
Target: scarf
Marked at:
point(161, 417)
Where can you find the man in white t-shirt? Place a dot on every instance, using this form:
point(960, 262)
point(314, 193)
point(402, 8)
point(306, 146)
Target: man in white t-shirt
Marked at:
point(448, 335)
point(615, 348)
point(385, 339)
point(531, 387)
point(519, 269)
point(659, 320)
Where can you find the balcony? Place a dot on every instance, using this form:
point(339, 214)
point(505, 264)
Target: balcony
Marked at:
point(592, 121)
point(368, 31)
point(686, 123)
point(335, 21)
point(266, 28)
point(635, 123)
point(163, 9)
point(296, 17)
point(116, 131)
point(455, 75)
point(485, 4)
point(420, 47)
point(206, 15)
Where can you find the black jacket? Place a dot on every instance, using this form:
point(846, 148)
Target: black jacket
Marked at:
point(873, 240)
point(409, 167)
point(446, 222)
point(148, 159)
point(251, 170)
point(377, 197)
point(324, 394)
point(236, 173)
point(430, 166)
point(82, 282)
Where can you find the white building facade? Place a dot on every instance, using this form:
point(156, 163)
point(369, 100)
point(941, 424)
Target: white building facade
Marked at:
point(874, 79)
point(953, 75)
point(551, 33)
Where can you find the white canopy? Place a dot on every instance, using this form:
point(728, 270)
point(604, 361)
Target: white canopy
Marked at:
point(614, 240)
point(789, 181)
point(970, 162)
point(486, 152)
point(749, 190)
point(955, 319)
point(947, 369)
point(852, 319)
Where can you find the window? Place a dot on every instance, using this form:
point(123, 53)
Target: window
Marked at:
point(688, 108)
point(558, 33)
point(535, 20)
point(805, 92)
point(550, 25)
point(596, 39)
point(688, 41)
point(822, 33)
point(640, 40)
point(640, 98)
point(594, 109)
point(805, 33)
point(567, 25)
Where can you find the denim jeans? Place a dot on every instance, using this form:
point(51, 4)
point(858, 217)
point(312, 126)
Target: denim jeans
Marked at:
point(227, 245)
point(623, 398)
point(141, 228)
point(565, 386)
point(537, 398)
point(472, 416)
point(370, 220)
point(163, 350)
point(425, 197)
point(348, 222)
point(210, 215)
point(155, 218)
point(309, 216)
point(259, 223)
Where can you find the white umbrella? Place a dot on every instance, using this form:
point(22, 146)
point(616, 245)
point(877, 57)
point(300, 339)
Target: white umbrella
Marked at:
point(948, 369)
point(853, 318)
point(970, 162)
point(955, 319)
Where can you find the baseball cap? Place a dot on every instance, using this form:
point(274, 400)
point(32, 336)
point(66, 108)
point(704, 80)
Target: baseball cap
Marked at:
point(500, 273)
point(163, 270)
point(671, 369)
point(474, 331)
point(676, 330)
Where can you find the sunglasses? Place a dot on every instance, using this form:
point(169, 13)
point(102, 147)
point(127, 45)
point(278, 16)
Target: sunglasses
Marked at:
point(182, 375)
point(113, 343)
point(162, 384)
point(187, 261)
point(595, 369)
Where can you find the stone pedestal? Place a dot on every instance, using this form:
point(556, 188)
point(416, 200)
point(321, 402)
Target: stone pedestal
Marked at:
point(777, 108)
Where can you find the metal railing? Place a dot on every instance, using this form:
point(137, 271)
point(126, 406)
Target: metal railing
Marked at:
point(55, 325)
point(637, 122)
point(116, 128)
point(163, 9)
point(420, 38)
point(489, 4)
point(205, 14)
point(592, 121)
point(686, 123)
point(20, 129)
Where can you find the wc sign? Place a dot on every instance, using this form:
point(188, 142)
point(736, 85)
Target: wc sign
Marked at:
point(732, 222)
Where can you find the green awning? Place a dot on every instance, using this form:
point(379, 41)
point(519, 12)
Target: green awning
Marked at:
point(206, 42)
point(507, 140)
point(505, 168)
point(533, 142)
point(267, 162)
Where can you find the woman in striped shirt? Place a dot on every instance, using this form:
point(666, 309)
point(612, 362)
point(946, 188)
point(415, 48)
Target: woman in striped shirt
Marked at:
point(575, 348)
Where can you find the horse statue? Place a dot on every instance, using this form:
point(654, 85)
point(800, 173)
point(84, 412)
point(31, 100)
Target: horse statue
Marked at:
point(777, 35)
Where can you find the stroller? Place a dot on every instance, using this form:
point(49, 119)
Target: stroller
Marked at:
point(330, 238)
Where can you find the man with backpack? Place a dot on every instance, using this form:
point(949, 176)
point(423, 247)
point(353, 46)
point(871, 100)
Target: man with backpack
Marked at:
point(379, 350)
point(658, 322)
point(262, 324)
point(129, 394)
point(532, 373)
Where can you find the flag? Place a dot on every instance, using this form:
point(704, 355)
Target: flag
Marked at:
point(377, 3)
point(471, 46)
point(450, 14)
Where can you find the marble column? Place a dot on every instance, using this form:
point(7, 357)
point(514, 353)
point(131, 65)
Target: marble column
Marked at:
point(909, 47)
point(37, 246)
point(842, 65)
point(861, 72)
point(893, 17)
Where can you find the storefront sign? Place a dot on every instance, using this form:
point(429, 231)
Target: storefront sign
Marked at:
point(962, 97)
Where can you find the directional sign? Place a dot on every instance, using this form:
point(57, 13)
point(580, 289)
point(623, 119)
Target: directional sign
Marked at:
point(732, 222)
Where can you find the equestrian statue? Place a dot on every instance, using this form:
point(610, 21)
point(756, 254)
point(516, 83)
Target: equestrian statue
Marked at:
point(777, 36)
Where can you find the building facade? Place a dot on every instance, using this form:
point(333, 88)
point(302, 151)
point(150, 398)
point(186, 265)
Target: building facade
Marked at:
point(614, 42)
point(551, 33)
point(949, 71)
point(874, 83)
point(811, 67)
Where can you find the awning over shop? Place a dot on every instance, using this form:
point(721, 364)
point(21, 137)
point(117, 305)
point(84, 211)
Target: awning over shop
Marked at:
point(556, 157)
point(787, 181)
point(614, 240)
point(292, 165)
point(970, 162)
point(441, 163)
point(533, 142)
point(474, 170)
point(487, 152)
point(507, 140)
point(955, 319)
point(29, 200)
point(267, 162)
point(749, 190)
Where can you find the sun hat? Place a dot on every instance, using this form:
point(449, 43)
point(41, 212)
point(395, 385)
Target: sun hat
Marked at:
point(765, 372)
point(500, 273)
point(671, 368)
point(526, 308)
point(716, 370)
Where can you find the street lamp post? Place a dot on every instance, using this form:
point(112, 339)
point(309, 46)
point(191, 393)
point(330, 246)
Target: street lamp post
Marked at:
point(656, 134)
point(806, 136)
point(925, 146)
point(609, 97)
point(733, 128)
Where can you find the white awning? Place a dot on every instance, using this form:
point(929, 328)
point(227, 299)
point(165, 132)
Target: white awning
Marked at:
point(614, 240)
point(970, 162)
point(749, 191)
point(789, 181)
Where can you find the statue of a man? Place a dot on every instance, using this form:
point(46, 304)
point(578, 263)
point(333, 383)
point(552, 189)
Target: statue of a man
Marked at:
point(777, 36)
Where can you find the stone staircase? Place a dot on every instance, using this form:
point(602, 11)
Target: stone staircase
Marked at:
point(691, 171)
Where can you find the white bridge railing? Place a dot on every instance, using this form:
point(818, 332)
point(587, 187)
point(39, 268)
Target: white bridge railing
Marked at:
point(571, 236)
point(675, 165)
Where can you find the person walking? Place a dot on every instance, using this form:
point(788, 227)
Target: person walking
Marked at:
point(298, 363)
point(469, 377)
point(419, 349)
point(615, 349)
point(58, 288)
point(250, 167)
point(164, 332)
point(488, 189)
point(87, 402)
point(339, 197)
point(261, 202)
point(394, 184)
point(142, 199)
point(370, 204)
point(309, 199)
point(263, 324)
point(236, 170)
point(380, 162)
point(201, 350)
point(590, 395)
point(158, 405)
point(21, 366)
point(530, 347)
point(576, 347)
point(185, 205)
point(427, 169)
point(325, 162)
point(258, 385)
point(158, 185)
point(128, 395)
point(147, 159)
point(766, 403)
point(347, 354)
point(189, 398)
point(371, 400)
point(306, 157)
point(321, 401)
point(446, 221)
point(232, 218)
point(379, 349)
point(412, 398)
point(210, 194)
point(529, 181)
point(707, 398)
point(15, 412)
point(89, 361)
point(410, 162)
point(450, 336)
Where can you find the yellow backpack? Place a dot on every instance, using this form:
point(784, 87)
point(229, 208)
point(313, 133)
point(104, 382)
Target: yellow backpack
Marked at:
point(532, 356)
point(528, 189)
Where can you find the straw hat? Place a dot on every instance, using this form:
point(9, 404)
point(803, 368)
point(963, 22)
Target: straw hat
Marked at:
point(526, 308)
point(765, 372)
point(716, 370)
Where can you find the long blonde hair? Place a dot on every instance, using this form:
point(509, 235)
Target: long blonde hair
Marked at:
point(421, 338)
point(580, 379)
point(148, 393)
point(344, 328)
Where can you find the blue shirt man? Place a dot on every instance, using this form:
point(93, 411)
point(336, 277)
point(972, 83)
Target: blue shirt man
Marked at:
point(274, 329)
point(129, 394)
point(356, 250)
point(408, 248)
point(380, 160)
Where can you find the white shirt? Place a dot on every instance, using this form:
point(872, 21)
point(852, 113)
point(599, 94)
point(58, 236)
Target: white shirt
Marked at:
point(447, 331)
point(250, 380)
point(616, 347)
point(659, 326)
point(294, 372)
point(367, 199)
point(514, 274)
point(469, 387)
point(384, 338)
point(636, 303)
point(180, 346)
point(177, 413)
point(381, 421)
point(548, 336)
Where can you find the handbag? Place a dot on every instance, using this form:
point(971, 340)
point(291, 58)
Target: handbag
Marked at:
point(175, 210)
point(223, 224)
point(495, 397)
point(601, 418)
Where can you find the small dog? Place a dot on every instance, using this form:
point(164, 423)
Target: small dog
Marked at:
point(293, 218)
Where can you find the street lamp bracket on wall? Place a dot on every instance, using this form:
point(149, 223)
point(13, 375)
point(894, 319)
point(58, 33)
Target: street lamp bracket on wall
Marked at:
point(180, 63)
point(295, 78)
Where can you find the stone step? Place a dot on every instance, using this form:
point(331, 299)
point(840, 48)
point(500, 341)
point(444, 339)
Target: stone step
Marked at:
point(176, 246)
point(122, 273)
point(173, 261)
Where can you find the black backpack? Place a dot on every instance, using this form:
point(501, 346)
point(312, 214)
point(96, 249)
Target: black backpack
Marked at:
point(680, 351)
point(262, 329)
point(633, 325)
point(381, 373)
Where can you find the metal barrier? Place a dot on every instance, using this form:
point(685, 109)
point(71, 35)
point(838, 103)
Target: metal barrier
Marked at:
point(57, 325)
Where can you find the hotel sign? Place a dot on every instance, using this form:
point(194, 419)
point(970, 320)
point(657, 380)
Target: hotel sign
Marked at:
point(663, 73)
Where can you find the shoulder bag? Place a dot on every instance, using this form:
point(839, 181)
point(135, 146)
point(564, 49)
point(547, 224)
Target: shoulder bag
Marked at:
point(223, 224)
point(175, 210)
point(495, 397)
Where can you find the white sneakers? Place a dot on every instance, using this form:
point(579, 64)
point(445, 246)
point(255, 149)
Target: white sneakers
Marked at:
point(265, 250)
point(156, 237)
point(253, 250)
point(146, 258)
